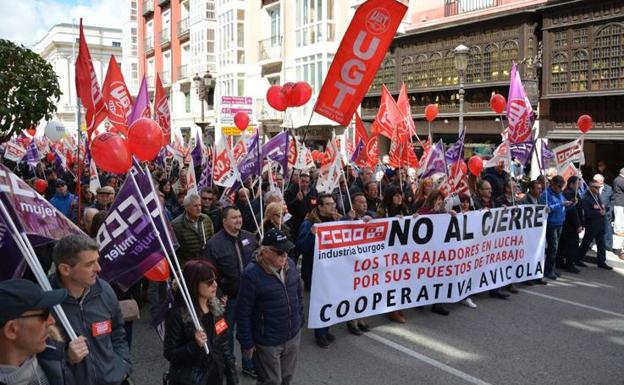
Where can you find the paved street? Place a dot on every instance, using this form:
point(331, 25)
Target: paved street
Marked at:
point(569, 332)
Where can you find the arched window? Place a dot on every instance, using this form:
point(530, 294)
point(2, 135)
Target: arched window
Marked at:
point(490, 63)
point(420, 71)
point(450, 73)
point(407, 71)
point(509, 53)
point(435, 70)
point(607, 66)
point(559, 73)
point(473, 72)
point(579, 71)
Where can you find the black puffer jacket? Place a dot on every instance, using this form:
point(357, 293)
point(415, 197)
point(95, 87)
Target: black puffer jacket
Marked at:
point(189, 363)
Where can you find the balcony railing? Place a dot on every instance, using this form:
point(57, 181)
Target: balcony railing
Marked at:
point(183, 28)
point(148, 7)
point(270, 48)
point(474, 107)
point(455, 7)
point(268, 2)
point(165, 36)
point(165, 77)
point(148, 46)
point(183, 72)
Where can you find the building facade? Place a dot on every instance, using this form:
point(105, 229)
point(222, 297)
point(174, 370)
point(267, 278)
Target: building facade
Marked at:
point(569, 55)
point(59, 47)
point(129, 46)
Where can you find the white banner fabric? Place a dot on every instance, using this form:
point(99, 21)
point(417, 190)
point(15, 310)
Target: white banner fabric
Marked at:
point(363, 269)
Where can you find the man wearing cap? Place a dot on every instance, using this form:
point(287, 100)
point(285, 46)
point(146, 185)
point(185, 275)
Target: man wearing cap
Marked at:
point(27, 355)
point(104, 198)
point(63, 200)
point(100, 355)
point(270, 310)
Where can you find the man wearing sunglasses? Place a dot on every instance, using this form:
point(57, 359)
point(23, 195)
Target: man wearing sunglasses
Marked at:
point(269, 312)
point(24, 322)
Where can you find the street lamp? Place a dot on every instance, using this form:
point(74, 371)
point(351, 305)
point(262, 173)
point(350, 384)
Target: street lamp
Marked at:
point(461, 63)
point(204, 87)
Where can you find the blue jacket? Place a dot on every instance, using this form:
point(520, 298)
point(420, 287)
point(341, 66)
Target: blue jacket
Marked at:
point(63, 203)
point(268, 312)
point(556, 217)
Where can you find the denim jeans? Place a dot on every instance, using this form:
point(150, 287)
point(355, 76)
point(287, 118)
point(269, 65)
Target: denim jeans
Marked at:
point(230, 318)
point(552, 243)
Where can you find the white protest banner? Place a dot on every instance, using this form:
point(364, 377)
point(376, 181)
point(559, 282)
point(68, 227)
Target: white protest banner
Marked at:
point(14, 152)
point(569, 153)
point(363, 269)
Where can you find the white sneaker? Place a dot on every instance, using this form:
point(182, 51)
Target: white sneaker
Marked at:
point(468, 302)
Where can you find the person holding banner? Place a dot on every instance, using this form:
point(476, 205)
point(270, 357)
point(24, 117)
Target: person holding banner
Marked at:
point(184, 345)
point(270, 310)
point(594, 213)
point(556, 207)
point(25, 325)
point(100, 355)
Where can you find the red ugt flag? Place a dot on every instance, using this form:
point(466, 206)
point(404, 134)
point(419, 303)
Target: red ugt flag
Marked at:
point(161, 111)
point(117, 97)
point(88, 88)
point(360, 54)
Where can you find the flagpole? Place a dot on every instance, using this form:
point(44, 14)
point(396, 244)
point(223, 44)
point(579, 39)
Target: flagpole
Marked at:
point(181, 281)
point(23, 243)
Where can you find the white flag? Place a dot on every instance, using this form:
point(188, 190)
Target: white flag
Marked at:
point(94, 179)
point(191, 181)
point(569, 153)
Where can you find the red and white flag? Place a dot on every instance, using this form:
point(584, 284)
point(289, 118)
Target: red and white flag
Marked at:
point(358, 58)
point(88, 88)
point(94, 179)
point(116, 97)
point(162, 114)
point(329, 173)
point(223, 171)
point(569, 153)
point(191, 181)
point(519, 110)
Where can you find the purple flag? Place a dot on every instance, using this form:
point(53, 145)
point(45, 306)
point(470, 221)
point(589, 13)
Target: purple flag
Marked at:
point(456, 151)
point(13, 264)
point(31, 213)
point(547, 152)
point(522, 151)
point(435, 161)
point(196, 153)
point(358, 149)
point(159, 161)
point(519, 110)
point(60, 163)
point(128, 242)
point(141, 107)
point(250, 164)
point(276, 149)
point(32, 156)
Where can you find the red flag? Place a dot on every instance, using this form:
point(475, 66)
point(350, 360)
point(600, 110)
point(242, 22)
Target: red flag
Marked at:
point(161, 111)
point(358, 58)
point(87, 87)
point(360, 130)
point(388, 116)
point(406, 111)
point(117, 97)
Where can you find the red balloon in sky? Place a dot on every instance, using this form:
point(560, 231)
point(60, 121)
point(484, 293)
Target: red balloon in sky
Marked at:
point(585, 123)
point(498, 103)
point(110, 152)
point(275, 98)
point(144, 139)
point(300, 94)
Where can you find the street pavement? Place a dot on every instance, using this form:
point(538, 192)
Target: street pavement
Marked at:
point(569, 332)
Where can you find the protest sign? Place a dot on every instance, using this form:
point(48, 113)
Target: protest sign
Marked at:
point(363, 269)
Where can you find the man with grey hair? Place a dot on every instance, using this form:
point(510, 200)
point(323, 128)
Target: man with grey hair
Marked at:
point(87, 218)
point(100, 355)
point(618, 202)
point(606, 197)
point(192, 229)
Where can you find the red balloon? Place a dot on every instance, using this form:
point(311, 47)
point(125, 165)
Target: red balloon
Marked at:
point(158, 273)
point(475, 165)
point(50, 157)
point(287, 91)
point(498, 103)
point(585, 123)
point(110, 152)
point(300, 94)
point(241, 119)
point(31, 131)
point(144, 138)
point(431, 111)
point(41, 185)
point(276, 98)
point(461, 165)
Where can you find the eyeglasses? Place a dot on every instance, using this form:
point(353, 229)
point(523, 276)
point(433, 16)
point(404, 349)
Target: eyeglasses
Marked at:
point(43, 315)
point(209, 282)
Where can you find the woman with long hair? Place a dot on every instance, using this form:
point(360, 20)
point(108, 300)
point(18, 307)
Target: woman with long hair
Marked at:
point(425, 188)
point(184, 345)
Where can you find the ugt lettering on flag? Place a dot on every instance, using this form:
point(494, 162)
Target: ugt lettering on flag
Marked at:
point(358, 58)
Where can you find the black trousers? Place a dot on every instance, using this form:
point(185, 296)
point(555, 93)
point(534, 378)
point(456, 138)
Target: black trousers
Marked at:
point(594, 231)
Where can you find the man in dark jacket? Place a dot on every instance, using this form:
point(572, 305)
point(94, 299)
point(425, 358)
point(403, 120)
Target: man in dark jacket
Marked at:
point(301, 199)
point(572, 226)
point(497, 177)
point(618, 203)
point(192, 228)
point(100, 355)
point(230, 251)
point(270, 310)
point(24, 323)
point(594, 212)
point(606, 197)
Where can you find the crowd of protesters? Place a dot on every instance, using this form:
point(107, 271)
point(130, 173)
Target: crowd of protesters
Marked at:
point(247, 258)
